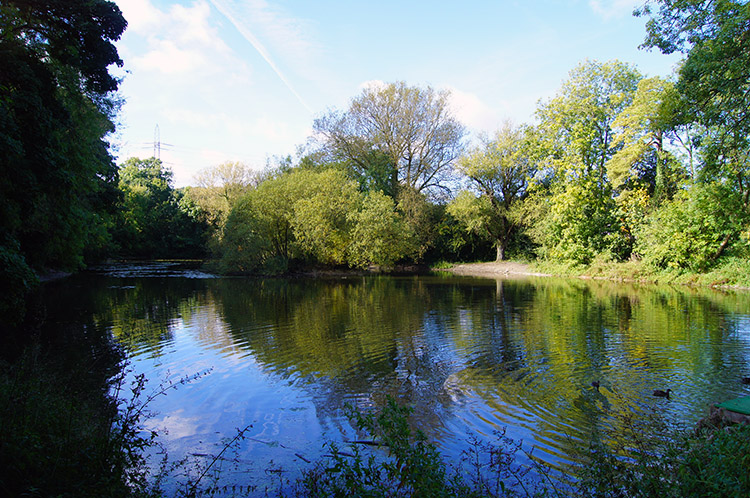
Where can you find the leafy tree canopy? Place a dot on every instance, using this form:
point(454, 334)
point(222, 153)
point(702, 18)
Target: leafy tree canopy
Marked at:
point(394, 135)
point(57, 177)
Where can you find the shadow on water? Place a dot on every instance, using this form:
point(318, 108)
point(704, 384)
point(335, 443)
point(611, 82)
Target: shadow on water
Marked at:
point(470, 355)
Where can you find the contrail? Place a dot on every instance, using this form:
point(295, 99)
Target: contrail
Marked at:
point(222, 7)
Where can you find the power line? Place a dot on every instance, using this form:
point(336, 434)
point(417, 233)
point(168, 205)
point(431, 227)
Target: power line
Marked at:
point(158, 144)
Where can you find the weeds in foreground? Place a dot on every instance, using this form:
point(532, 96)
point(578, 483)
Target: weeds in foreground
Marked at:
point(397, 462)
point(656, 460)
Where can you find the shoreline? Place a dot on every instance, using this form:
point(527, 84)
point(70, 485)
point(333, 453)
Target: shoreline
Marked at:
point(494, 269)
point(512, 269)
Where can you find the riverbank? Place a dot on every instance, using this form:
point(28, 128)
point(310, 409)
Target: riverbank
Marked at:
point(495, 269)
point(731, 273)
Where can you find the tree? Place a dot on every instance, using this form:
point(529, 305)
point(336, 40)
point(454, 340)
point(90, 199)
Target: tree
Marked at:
point(153, 221)
point(714, 81)
point(575, 137)
point(220, 187)
point(395, 135)
point(380, 235)
point(500, 170)
point(576, 125)
point(322, 222)
point(648, 132)
point(57, 177)
point(262, 229)
point(689, 232)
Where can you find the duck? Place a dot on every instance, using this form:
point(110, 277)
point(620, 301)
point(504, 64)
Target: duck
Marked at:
point(662, 394)
point(745, 380)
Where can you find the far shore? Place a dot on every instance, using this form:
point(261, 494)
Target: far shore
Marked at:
point(494, 269)
point(620, 272)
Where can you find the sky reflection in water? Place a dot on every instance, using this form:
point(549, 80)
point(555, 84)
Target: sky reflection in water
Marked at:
point(471, 355)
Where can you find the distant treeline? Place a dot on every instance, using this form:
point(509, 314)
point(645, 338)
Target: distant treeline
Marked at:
point(616, 166)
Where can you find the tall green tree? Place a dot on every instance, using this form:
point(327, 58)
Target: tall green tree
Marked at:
point(219, 187)
point(395, 135)
point(499, 169)
point(57, 178)
point(651, 139)
point(714, 81)
point(56, 105)
point(575, 126)
point(575, 140)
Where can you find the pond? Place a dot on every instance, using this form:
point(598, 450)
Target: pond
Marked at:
point(471, 355)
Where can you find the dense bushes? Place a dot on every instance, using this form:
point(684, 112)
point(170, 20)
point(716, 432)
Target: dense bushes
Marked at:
point(691, 231)
point(312, 217)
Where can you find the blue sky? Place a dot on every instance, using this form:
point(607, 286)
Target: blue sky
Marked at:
point(243, 80)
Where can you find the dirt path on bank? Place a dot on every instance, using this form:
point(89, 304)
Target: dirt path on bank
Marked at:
point(494, 269)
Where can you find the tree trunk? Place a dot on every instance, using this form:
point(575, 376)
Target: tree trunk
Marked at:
point(722, 247)
point(500, 250)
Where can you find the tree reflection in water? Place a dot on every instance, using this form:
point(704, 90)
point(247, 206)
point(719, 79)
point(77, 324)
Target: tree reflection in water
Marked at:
point(470, 355)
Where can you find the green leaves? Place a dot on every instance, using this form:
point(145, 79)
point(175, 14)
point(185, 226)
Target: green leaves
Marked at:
point(694, 229)
point(397, 132)
point(319, 217)
point(154, 219)
point(500, 170)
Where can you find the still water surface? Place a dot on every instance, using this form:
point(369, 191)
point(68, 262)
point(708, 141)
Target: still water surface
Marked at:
point(471, 355)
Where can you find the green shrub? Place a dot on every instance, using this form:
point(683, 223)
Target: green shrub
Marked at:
point(688, 232)
point(664, 462)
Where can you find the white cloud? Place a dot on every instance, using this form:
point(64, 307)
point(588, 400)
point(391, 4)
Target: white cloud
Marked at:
point(289, 35)
point(260, 128)
point(177, 425)
point(471, 111)
point(140, 14)
point(245, 17)
point(179, 40)
point(167, 57)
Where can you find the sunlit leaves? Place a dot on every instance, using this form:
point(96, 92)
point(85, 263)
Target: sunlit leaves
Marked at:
point(315, 217)
point(380, 235)
point(694, 229)
point(576, 125)
point(411, 127)
point(500, 170)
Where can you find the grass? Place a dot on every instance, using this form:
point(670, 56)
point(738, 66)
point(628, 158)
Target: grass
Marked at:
point(730, 271)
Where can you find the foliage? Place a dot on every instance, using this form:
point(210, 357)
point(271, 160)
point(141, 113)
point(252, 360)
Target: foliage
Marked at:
point(500, 169)
point(713, 80)
point(667, 461)
point(454, 243)
point(575, 127)
point(244, 248)
point(579, 225)
point(56, 174)
point(380, 235)
point(16, 281)
point(411, 466)
point(578, 220)
point(689, 232)
point(646, 129)
point(155, 220)
point(219, 188)
point(58, 441)
point(319, 217)
point(395, 135)
point(421, 217)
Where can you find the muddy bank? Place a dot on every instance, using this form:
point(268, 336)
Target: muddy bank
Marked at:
point(494, 269)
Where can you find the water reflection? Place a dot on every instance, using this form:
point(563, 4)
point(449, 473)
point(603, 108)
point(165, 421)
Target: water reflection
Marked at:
point(471, 355)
